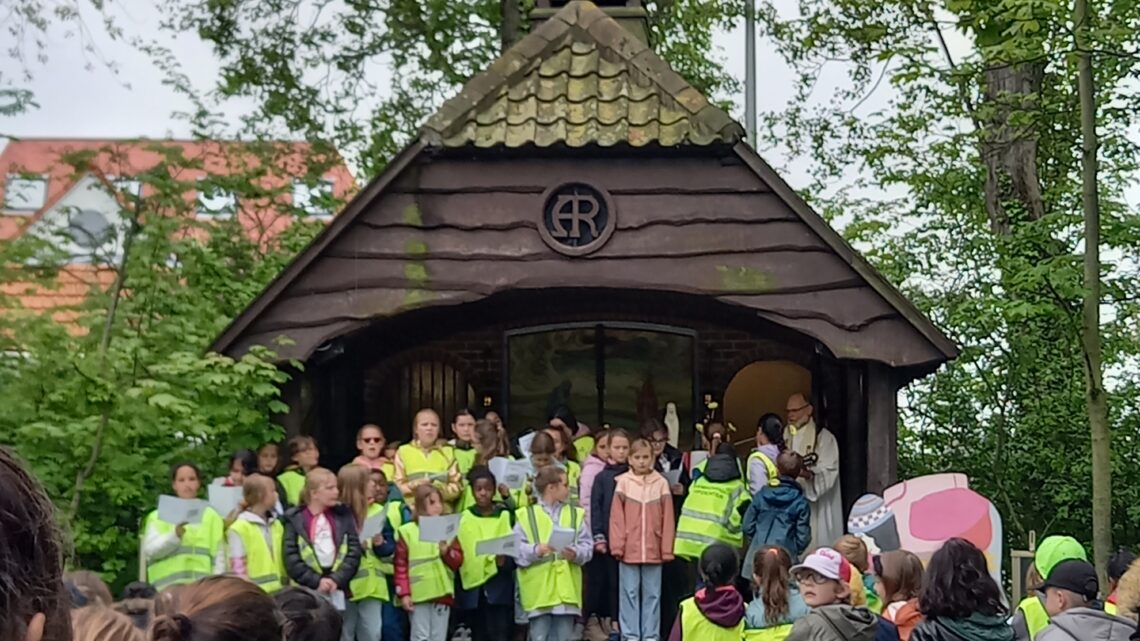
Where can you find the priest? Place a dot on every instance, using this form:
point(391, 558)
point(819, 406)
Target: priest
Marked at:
point(820, 477)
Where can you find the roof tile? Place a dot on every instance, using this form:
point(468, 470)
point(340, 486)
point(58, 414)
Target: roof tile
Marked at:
point(578, 79)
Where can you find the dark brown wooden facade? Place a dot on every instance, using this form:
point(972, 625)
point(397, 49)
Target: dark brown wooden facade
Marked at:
point(441, 257)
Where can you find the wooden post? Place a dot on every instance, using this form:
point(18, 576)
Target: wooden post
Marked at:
point(882, 427)
point(853, 440)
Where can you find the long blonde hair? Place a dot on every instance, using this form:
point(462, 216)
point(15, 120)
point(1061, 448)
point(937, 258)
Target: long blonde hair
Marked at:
point(254, 490)
point(313, 480)
point(352, 480)
point(101, 623)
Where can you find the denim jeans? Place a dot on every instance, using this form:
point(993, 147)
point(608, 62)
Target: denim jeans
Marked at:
point(552, 627)
point(394, 622)
point(363, 620)
point(639, 606)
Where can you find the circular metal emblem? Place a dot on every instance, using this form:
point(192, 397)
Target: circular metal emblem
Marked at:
point(577, 219)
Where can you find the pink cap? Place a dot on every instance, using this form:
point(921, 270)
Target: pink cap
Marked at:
point(827, 563)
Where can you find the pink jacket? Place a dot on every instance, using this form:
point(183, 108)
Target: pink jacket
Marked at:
point(590, 469)
point(641, 519)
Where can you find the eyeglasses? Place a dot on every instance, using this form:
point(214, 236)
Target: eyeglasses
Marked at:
point(811, 578)
point(797, 409)
point(372, 439)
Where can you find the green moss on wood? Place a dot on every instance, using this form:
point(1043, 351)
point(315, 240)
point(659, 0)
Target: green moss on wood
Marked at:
point(415, 247)
point(412, 216)
point(417, 297)
point(416, 272)
point(744, 279)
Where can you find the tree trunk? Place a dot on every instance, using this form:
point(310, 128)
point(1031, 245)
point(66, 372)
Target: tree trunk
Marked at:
point(1010, 150)
point(1095, 400)
point(511, 25)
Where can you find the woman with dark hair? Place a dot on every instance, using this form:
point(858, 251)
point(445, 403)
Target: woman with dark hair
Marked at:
point(762, 460)
point(959, 598)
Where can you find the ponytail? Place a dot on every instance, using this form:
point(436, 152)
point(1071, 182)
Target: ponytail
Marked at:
point(771, 568)
point(171, 627)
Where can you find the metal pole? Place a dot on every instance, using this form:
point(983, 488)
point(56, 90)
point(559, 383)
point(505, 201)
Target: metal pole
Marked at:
point(750, 70)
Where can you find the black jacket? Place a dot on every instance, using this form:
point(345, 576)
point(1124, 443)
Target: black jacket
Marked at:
point(344, 529)
point(976, 627)
point(602, 500)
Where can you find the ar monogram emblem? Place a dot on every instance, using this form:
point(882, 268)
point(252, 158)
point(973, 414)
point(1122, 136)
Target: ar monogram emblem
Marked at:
point(577, 219)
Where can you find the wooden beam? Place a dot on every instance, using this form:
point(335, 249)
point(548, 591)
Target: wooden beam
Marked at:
point(882, 387)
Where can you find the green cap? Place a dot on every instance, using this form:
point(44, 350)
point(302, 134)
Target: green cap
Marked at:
point(1055, 549)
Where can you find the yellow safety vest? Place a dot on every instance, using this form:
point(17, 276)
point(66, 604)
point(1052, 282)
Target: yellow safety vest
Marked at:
point(1036, 618)
point(309, 555)
point(194, 558)
point(694, 625)
point(395, 520)
point(465, 458)
point(417, 465)
point(369, 582)
point(429, 575)
point(551, 580)
point(584, 445)
point(477, 569)
point(769, 466)
point(264, 565)
point(710, 514)
point(573, 476)
point(774, 633)
point(1111, 608)
point(292, 481)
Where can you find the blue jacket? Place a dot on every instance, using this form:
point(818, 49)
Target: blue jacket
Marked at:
point(754, 616)
point(779, 515)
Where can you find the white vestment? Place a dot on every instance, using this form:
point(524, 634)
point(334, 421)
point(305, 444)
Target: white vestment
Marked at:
point(822, 491)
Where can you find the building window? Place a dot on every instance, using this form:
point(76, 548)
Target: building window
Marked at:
point(215, 202)
point(314, 199)
point(23, 193)
point(129, 188)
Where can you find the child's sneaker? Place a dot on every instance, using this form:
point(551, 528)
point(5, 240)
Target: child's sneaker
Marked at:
point(614, 636)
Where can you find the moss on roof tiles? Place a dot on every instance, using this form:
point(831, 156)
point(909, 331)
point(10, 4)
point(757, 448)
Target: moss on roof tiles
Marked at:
point(579, 79)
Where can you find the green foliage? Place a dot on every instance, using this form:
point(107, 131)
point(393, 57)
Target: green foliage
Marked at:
point(102, 397)
point(910, 129)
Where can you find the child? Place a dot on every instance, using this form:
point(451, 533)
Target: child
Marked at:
point(303, 456)
point(779, 515)
point(716, 611)
point(542, 453)
point(762, 468)
point(394, 620)
point(776, 602)
point(463, 427)
point(427, 460)
point(307, 616)
point(959, 598)
point(371, 445)
point(712, 437)
point(825, 579)
point(603, 571)
point(180, 553)
point(425, 571)
point(363, 614)
point(898, 579)
point(1118, 564)
point(641, 540)
point(218, 608)
point(486, 581)
point(863, 588)
point(566, 456)
point(242, 464)
point(322, 551)
point(256, 540)
point(550, 581)
point(98, 622)
point(594, 463)
point(267, 456)
point(715, 507)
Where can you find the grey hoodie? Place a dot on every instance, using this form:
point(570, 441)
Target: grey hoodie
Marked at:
point(835, 623)
point(1086, 624)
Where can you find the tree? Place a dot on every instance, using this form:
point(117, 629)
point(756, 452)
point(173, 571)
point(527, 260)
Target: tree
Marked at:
point(951, 156)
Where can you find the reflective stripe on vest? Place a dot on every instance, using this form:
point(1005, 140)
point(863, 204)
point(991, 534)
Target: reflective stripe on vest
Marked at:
point(694, 625)
point(395, 520)
point(263, 565)
point(309, 555)
point(429, 575)
point(774, 633)
point(1036, 618)
point(769, 467)
point(194, 558)
point(477, 569)
point(369, 581)
point(551, 580)
point(710, 515)
point(573, 476)
point(293, 482)
point(1111, 608)
point(419, 466)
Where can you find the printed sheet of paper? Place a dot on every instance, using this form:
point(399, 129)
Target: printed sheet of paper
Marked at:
point(224, 499)
point(560, 538)
point(337, 600)
point(174, 510)
point(504, 545)
point(696, 457)
point(524, 443)
point(673, 476)
point(373, 526)
point(508, 472)
point(434, 529)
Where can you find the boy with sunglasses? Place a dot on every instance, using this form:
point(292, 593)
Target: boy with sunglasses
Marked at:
point(824, 580)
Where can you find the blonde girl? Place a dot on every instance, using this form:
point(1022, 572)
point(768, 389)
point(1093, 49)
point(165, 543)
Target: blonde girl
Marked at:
point(363, 614)
point(255, 539)
point(425, 571)
point(427, 460)
point(322, 551)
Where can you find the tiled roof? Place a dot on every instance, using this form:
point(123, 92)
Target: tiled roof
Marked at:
point(579, 79)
